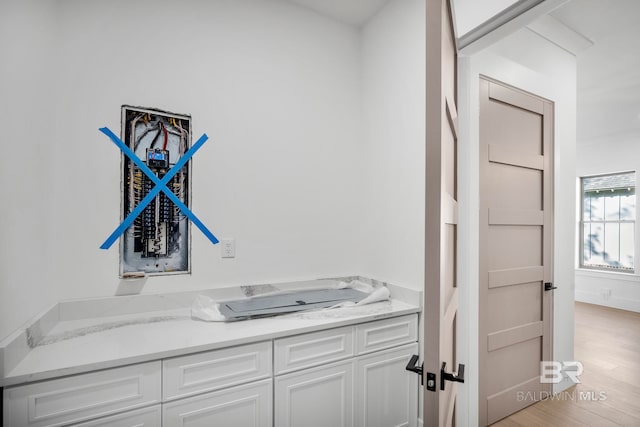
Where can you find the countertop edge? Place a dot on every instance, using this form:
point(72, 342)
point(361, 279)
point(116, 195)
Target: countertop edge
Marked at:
point(10, 381)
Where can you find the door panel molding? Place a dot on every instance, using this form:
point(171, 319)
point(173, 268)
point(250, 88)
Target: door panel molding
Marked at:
point(449, 209)
point(510, 156)
point(515, 276)
point(451, 308)
point(503, 401)
point(516, 98)
point(506, 337)
point(516, 217)
point(452, 115)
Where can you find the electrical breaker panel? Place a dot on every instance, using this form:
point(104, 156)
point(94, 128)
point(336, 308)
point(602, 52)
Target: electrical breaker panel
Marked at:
point(158, 240)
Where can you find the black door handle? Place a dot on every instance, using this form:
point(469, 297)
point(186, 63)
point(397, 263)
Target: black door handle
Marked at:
point(445, 376)
point(549, 286)
point(411, 366)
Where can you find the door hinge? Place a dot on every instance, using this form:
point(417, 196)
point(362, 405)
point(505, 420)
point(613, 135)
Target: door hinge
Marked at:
point(445, 376)
point(549, 286)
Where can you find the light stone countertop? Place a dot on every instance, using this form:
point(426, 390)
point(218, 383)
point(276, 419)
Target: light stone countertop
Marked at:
point(82, 336)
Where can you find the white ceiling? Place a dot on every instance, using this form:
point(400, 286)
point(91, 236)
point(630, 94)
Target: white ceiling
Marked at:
point(354, 12)
point(608, 71)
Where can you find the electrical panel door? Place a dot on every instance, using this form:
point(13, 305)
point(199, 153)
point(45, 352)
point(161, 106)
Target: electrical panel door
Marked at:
point(158, 239)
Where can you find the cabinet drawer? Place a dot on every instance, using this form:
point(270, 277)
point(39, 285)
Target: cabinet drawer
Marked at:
point(145, 417)
point(81, 397)
point(213, 370)
point(304, 351)
point(249, 405)
point(386, 333)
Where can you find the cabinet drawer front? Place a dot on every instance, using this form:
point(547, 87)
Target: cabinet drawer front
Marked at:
point(387, 333)
point(81, 397)
point(145, 417)
point(213, 370)
point(248, 405)
point(304, 351)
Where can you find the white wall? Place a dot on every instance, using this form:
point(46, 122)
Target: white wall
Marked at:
point(394, 157)
point(393, 52)
point(26, 164)
point(298, 157)
point(275, 86)
point(615, 153)
point(531, 63)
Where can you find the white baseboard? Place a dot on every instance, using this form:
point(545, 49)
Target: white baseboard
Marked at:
point(613, 302)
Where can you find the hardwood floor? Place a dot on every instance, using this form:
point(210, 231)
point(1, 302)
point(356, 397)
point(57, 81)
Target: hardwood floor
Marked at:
point(607, 342)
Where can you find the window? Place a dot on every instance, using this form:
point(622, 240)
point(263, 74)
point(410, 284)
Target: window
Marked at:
point(608, 222)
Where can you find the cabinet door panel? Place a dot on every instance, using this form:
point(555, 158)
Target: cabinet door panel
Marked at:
point(387, 394)
point(248, 405)
point(317, 397)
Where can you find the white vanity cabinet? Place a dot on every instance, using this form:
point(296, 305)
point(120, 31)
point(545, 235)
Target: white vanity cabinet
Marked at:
point(369, 387)
point(342, 376)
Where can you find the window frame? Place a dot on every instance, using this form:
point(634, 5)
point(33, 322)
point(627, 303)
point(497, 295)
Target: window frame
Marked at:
point(604, 222)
